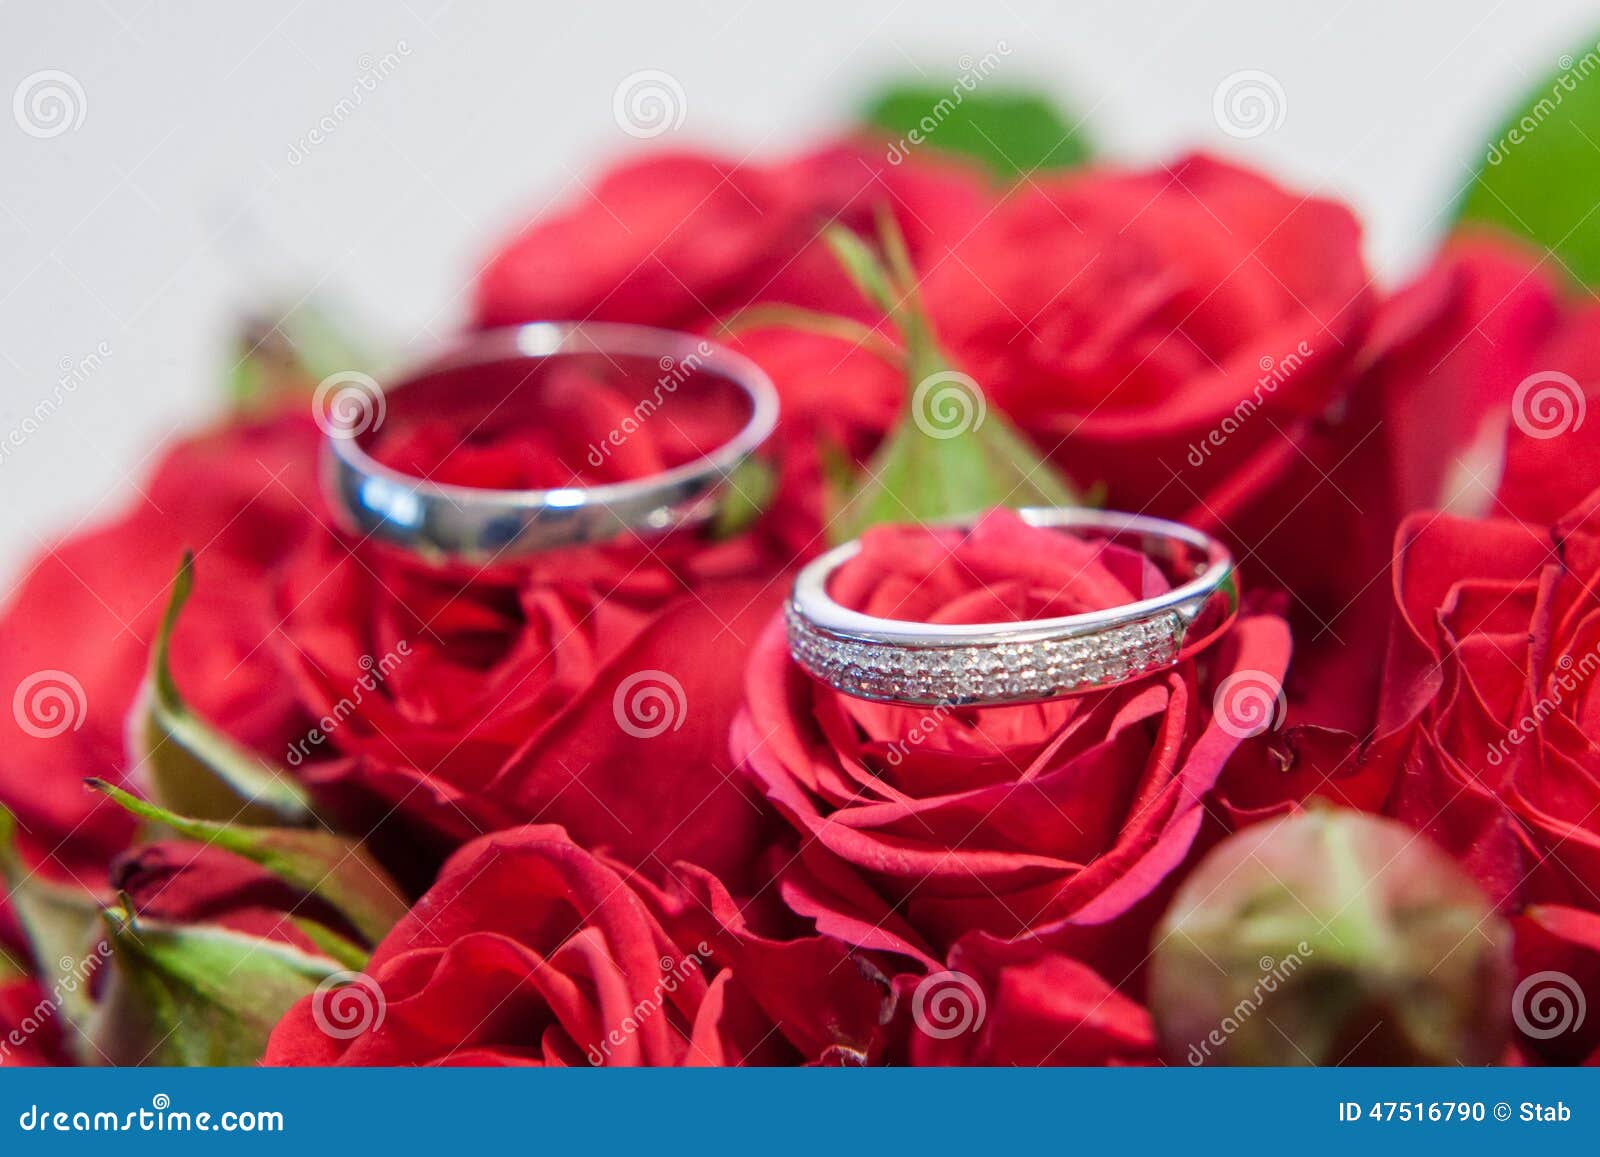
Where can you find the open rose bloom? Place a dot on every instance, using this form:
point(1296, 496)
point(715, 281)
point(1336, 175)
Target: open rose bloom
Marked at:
point(582, 807)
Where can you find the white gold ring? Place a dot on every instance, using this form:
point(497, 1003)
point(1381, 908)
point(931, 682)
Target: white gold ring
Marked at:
point(444, 522)
point(980, 664)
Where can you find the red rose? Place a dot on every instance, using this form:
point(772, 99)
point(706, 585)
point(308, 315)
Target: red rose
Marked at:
point(924, 823)
point(1489, 702)
point(1422, 427)
point(588, 686)
point(531, 950)
point(594, 689)
point(681, 239)
point(75, 638)
point(1178, 335)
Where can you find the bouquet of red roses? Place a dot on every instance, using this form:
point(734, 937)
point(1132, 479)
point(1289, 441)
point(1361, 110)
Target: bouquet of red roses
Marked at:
point(274, 789)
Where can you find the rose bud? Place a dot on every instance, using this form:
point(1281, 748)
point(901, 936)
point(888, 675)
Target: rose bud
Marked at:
point(1330, 937)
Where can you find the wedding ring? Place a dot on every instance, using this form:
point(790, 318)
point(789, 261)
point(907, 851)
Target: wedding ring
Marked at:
point(444, 522)
point(981, 664)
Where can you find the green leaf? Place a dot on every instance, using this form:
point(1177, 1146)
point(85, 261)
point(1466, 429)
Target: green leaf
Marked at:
point(195, 995)
point(918, 477)
point(195, 769)
point(59, 920)
point(335, 869)
point(1535, 178)
point(950, 455)
point(1009, 131)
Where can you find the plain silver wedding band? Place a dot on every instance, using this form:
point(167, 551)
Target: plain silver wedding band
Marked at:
point(984, 664)
point(443, 523)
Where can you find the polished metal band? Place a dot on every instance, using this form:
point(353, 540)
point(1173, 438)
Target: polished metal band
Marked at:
point(447, 522)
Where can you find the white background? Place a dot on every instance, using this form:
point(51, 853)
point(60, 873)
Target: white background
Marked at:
point(174, 204)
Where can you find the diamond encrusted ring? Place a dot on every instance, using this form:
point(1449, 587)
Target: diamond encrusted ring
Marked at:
point(980, 664)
